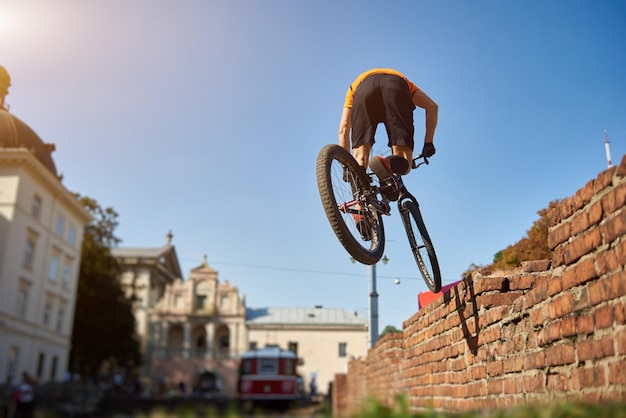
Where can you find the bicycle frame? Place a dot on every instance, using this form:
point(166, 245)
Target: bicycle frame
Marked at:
point(383, 206)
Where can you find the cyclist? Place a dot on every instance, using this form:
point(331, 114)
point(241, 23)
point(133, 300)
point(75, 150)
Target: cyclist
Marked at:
point(384, 95)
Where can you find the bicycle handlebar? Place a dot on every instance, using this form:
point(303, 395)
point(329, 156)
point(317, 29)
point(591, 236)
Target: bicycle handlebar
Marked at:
point(416, 164)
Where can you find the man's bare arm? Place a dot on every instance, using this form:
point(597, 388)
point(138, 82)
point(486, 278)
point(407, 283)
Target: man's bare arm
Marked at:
point(344, 128)
point(420, 99)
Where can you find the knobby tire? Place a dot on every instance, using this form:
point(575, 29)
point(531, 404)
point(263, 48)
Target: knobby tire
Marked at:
point(335, 165)
point(421, 246)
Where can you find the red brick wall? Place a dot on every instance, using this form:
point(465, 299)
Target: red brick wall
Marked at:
point(552, 330)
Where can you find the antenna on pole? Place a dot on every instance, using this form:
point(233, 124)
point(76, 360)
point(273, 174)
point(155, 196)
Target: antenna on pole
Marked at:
point(607, 149)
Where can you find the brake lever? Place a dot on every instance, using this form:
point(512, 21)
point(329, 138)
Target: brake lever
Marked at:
point(416, 164)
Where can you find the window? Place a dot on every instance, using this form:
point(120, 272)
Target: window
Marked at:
point(342, 349)
point(40, 364)
point(201, 342)
point(35, 210)
point(246, 366)
point(21, 302)
point(47, 311)
point(178, 301)
point(67, 271)
point(293, 347)
point(60, 319)
point(53, 369)
point(267, 365)
point(29, 253)
point(200, 301)
point(288, 365)
point(60, 225)
point(253, 345)
point(53, 271)
point(14, 353)
point(71, 235)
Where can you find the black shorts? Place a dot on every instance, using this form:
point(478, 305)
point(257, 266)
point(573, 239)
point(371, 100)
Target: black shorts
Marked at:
point(382, 98)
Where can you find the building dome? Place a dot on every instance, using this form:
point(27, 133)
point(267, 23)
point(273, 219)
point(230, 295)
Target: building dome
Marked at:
point(16, 134)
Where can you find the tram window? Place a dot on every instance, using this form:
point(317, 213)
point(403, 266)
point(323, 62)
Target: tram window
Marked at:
point(246, 367)
point(288, 366)
point(268, 366)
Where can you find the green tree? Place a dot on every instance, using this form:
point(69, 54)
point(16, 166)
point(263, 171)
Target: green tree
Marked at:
point(104, 324)
point(388, 330)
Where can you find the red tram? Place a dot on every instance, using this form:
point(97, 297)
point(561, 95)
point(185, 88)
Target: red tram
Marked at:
point(268, 375)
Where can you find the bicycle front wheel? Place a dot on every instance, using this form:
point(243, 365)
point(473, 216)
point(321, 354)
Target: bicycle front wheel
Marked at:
point(421, 245)
point(344, 186)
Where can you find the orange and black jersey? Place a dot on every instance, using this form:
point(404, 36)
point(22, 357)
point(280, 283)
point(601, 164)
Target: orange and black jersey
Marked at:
point(350, 93)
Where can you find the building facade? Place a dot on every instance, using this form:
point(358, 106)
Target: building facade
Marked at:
point(324, 339)
point(41, 233)
point(200, 326)
point(187, 328)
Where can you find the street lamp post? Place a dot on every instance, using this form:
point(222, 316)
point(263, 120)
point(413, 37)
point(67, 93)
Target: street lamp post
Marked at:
point(373, 300)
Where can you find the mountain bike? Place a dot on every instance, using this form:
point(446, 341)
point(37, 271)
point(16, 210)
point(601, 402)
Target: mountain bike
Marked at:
point(355, 200)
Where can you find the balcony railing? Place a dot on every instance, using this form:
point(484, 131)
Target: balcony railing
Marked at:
point(195, 354)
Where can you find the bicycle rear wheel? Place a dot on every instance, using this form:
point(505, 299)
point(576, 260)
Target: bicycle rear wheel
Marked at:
point(421, 245)
point(343, 186)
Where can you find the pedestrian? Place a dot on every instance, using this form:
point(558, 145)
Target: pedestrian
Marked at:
point(24, 396)
point(6, 402)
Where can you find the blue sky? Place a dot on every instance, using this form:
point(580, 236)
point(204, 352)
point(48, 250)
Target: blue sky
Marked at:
point(206, 117)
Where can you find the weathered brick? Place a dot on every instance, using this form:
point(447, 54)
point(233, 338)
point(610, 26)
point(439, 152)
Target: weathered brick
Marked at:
point(614, 199)
point(607, 288)
point(607, 261)
point(581, 245)
point(585, 324)
point(554, 216)
point(603, 317)
point(560, 354)
point(580, 273)
point(586, 193)
point(496, 299)
point(589, 377)
point(620, 341)
point(535, 266)
point(620, 313)
point(536, 360)
point(603, 180)
point(621, 253)
point(513, 386)
point(593, 349)
point(494, 368)
point(513, 364)
point(561, 306)
point(559, 234)
point(580, 223)
point(558, 256)
point(614, 227)
point(581, 298)
point(595, 213)
point(524, 282)
point(568, 327)
point(559, 382)
point(621, 168)
point(534, 384)
point(554, 286)
point(537, 294)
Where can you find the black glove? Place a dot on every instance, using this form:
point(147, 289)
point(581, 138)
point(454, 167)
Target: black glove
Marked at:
point(428, 150)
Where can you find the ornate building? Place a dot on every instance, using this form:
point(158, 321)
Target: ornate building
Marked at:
point(187, 327)
point(41, 233)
